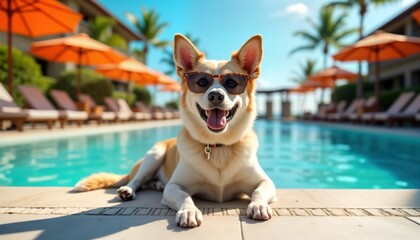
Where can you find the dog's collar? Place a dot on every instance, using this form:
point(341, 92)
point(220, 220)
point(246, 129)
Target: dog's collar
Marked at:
point(214, 145)
point(208, 147)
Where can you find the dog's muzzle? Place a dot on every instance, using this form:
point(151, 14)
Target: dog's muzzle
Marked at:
point(217, 119)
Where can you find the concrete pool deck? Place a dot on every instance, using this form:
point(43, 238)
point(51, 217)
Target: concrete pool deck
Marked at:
point(57, 213)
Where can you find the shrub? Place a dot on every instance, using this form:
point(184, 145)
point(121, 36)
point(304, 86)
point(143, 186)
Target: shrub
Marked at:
point(388, 97)
point(173, 104)
point(348, 92)
point(92, 83)
point(142, 94)
point(26, 71)
point(122, 94)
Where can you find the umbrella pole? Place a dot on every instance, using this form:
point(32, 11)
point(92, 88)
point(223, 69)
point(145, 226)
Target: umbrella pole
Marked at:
point(79, 76)
point(377, 85)
point(79, 73)
point(9, 48)
point(128, 86)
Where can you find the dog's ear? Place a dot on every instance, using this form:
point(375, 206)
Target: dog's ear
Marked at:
point(186, 55)
point(250, 55)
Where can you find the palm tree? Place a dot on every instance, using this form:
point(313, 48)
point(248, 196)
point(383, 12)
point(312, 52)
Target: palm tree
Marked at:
point(305, 70)
point(328, 32)
point(150, 27)
point(362, 6)
point(101, 30)
point(168, 59)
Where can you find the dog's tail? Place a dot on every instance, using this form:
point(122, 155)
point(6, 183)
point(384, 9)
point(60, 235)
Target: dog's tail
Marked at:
point(101, 180)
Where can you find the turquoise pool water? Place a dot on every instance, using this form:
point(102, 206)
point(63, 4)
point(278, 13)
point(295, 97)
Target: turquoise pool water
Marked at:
point(294, 155)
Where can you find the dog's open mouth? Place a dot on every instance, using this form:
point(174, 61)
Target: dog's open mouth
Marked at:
point(216, 118)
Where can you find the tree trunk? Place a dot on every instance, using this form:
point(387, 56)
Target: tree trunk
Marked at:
point(362, 12)
point(145, 52)
point(325, 51)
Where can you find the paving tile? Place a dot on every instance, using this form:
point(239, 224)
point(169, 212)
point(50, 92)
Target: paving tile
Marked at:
point(381, 228)
point(412, 212)
point(415, 219)
point(127, 211)
point(337, 212)
point(114, 227)
point(299, 212)
point(288, 198)
point(318, 212)
point(111, 211)
point(282, 212)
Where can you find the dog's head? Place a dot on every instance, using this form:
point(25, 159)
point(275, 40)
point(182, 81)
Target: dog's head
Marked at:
point(218, 97)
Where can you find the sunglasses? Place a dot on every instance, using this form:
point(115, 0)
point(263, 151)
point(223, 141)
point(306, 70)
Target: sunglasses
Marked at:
point(234, 83)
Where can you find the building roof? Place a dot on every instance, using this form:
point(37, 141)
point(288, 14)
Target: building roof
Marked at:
point(400, 16)
point(95, 4)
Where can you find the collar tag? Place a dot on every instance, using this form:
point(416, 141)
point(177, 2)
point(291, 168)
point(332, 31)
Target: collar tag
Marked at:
point(207, 151)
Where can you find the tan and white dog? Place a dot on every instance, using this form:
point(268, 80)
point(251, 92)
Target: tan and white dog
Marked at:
point(214, 156)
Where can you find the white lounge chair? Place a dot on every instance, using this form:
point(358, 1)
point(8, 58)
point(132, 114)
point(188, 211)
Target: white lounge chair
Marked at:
point(96, 112)
point(36, 100)
point(395, 108)
point(9, 110)
point(339, 109)
point(408, 114)
point(113, 106)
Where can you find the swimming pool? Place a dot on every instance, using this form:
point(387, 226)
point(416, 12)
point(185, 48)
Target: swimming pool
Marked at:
point(294, 155)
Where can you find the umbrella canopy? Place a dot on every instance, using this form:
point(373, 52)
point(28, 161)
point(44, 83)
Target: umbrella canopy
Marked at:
point(171, 88)
point(333, 73)
point(313, 84)
point(129, 70)
point(380, 46)
point(34, 18)
point(416, 16)
point(377, 47)
point(79, 49)
point(302, 89)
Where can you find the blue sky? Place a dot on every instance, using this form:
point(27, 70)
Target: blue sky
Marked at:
point(224, 25)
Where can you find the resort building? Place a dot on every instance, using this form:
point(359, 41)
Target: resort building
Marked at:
point(405, 72)
point(89, 9)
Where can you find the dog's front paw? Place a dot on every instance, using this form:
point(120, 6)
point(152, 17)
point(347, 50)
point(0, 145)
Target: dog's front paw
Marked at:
point(189, 217)
point(259, 211)
point(126, 193)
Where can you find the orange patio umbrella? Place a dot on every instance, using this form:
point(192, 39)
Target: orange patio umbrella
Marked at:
point(416, 16)
point(34, 18)
point(128, 70)
point(333, 73)
point(79, 49)
point(302, 89)
point(378, 47)
point(171, 88)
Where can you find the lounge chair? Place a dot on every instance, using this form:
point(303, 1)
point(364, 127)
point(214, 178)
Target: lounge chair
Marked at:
point(364, 107)
point(341, 106)
point(345, 115)
point(123, 106)
point(395, 108)
point(321, 113)
point(408, 114)
point(10, 111)
point(141, 107)
point(167, 114)
point(96, 112)
point(36, 100)
point(113, 106)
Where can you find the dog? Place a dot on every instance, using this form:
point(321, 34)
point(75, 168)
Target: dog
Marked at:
point(214, 156)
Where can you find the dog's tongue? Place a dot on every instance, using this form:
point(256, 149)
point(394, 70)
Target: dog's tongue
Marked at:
point(216, 119)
